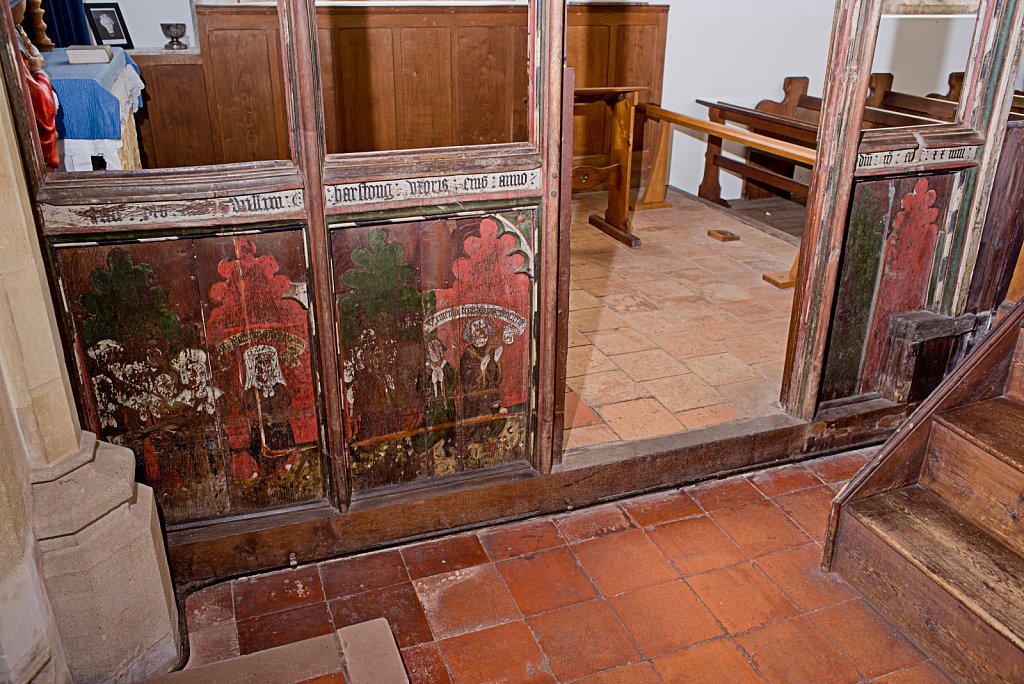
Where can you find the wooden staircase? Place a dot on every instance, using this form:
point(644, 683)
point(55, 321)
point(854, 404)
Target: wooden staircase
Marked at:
point(932, 530)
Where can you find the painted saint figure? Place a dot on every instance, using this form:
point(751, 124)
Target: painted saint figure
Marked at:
point(480, 370)
point(267, 394)
point(198, 393)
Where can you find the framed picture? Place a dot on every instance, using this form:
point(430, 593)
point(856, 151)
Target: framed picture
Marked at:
point(107, 24)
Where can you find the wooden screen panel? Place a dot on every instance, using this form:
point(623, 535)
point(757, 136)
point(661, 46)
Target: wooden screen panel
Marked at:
point(586, 49)
point(358, 67)
point(424, 86)
point(895, 228)
point(195, 353)
point(175, 111)
point(487, 103)
point(436, 329)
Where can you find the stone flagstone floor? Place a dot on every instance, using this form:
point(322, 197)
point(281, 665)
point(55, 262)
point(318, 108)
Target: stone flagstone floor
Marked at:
point(718, 582)
point(678, 334)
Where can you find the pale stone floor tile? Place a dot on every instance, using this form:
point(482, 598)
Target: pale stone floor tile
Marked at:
point(650, 365)
point(589, 436)
point(581, 299)
point(588, 320)
point(706, 416)
point(609, 285)
point(655, 322)
point(586, 359)
point(685, 344)
point(720, 369)
point(682, 392)
point(640, 419)
point(641, 319)
point(620, 341)
point(576, 338)
point(609, 387)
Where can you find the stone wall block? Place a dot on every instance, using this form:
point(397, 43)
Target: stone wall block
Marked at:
point(108, 580)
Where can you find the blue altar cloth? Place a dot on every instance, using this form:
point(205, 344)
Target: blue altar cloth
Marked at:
point(88, 108)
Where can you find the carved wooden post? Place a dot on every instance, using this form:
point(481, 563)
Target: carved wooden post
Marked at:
point(37, 26)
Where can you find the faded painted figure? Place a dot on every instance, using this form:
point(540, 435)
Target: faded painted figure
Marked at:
point(480, 370)
point(267, 394)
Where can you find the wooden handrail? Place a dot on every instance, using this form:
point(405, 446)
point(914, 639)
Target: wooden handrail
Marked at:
point(797, 153)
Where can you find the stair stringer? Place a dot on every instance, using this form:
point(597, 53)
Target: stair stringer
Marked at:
point(981, 375)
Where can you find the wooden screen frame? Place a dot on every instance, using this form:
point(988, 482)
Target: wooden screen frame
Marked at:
point(189, 198)
point(982, 113)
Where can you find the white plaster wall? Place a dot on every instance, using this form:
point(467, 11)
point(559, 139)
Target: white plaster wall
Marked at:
point(739, 51)
point(144, 17)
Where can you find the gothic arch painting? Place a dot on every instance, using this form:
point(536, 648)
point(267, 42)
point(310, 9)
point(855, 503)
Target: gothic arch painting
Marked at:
point(435, 321)
point(195, 353)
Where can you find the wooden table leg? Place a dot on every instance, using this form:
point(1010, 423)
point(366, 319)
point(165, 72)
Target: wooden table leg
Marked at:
point(710, 188)
point(616, 221)
point(784, 279)
point(654, 192)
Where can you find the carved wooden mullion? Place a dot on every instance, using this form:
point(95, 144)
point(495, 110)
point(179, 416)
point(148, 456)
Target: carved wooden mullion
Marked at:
point(846, 88)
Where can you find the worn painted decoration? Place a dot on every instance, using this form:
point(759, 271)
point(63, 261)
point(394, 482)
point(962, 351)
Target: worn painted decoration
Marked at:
point(195, 354)
point(895, 232)
point(435, 323)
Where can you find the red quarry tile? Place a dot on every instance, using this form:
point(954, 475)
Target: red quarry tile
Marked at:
point(592, 522)
point(925, 673)
point(760, 528)
point(788, 478)
point(283, 627)
point(578, 414)
point(624, 561)
point(466, 600)
point(583, 639)
point(445, 555)
point(714, 496)
point(661, 508)
point(742, 597)
point(424, 665)
point(507, 542)
point(398, 603)
point(277, 591)
point(637, 673)
point(809, 508)
point(213, 643)
point(839, 467)
point(665, 618)
point(336, 678)
point(795, 652)
point(714, 661)
point(798, 573)
point(506, 653)
point(362, 573)
point(866, 638)
point(696, 545)
point(209, 606)
point(546, 580)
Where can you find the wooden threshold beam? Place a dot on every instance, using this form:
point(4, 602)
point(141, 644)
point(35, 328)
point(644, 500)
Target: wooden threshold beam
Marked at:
point(229, 549)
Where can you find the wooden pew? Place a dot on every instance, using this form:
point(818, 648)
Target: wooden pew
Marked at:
point(881, 95)
point(622, 102)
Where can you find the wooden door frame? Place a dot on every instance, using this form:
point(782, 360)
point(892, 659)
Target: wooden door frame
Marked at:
point(983, 110)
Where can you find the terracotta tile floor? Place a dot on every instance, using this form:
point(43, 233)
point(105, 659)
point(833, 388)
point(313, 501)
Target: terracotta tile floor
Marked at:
point(718, 582)
point(678, 334)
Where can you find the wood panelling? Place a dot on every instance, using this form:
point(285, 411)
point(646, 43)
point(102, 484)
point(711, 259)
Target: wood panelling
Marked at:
point(180, 118)
point(393, 78)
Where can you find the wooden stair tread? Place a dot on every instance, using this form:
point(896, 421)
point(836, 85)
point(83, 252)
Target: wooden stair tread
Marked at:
point(995, 425)
point(984, 575)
